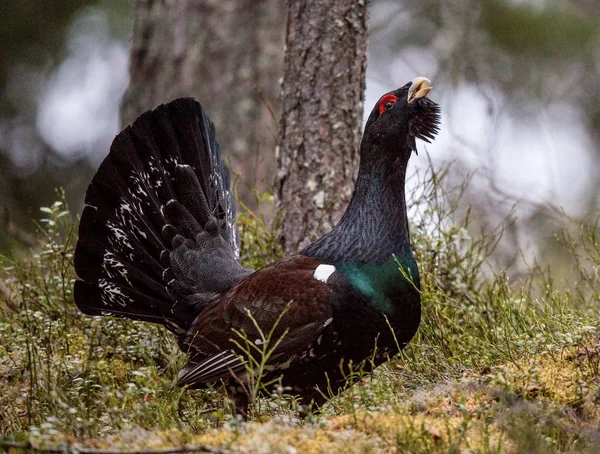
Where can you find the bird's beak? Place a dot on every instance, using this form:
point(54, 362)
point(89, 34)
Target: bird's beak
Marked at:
point(419, 88)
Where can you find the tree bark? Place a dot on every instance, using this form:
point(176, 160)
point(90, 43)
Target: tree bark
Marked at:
point(226, 54)
point(322, 106)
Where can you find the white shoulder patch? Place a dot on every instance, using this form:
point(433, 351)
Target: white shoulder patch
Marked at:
point(322, 272)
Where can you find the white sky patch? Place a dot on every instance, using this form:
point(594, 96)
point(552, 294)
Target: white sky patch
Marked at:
point(78, 112)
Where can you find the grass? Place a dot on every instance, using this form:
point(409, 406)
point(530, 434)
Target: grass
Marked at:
point(499, 364)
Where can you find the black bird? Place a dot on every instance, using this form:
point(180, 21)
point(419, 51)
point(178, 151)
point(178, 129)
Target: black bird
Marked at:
point(158, 242)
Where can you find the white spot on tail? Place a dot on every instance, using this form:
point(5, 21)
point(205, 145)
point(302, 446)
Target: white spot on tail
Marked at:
point(125, 208)
point(322, 272)
point(113, 267)
point(119, 237)
point(112, 294)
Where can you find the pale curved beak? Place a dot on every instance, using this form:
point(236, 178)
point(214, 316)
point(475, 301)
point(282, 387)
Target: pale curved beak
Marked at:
point(419, 88)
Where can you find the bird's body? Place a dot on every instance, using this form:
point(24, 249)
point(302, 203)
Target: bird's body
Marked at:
point(158, 243)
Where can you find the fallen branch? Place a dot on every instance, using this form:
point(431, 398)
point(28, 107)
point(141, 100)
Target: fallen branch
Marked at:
point(69, 449)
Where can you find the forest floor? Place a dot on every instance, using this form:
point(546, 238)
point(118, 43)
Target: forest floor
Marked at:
point(503, 361)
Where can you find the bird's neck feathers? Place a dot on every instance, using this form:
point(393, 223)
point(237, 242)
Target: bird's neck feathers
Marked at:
point(375, 225)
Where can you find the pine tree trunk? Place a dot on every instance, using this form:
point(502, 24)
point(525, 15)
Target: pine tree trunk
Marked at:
point(322, 106)
point(226, 54)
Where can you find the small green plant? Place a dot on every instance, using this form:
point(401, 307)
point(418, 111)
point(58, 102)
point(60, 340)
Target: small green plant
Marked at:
point(260, 243)
point(256, 354)
point(63, 372)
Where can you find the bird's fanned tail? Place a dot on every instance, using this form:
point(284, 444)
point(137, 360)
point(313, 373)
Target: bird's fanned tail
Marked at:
point(158, 239)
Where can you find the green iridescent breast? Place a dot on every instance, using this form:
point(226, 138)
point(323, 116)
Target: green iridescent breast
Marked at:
point(380, 283)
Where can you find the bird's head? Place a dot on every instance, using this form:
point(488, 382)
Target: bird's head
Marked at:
point(403, 115)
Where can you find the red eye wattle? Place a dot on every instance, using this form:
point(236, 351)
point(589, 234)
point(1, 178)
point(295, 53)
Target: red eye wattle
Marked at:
point(386, 103)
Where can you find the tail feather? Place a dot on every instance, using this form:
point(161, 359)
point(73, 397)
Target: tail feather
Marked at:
point(157, 239)
point(123, 301)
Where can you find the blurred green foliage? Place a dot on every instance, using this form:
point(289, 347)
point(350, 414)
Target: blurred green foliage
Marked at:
point(33, 39)
point(33, 34)
point(552, 30)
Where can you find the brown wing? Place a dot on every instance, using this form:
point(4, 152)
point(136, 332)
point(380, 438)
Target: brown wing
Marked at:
point(284, 298)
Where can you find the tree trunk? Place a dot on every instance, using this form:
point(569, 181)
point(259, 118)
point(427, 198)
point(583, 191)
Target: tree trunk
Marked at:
point(322, 106)
point(226, 54)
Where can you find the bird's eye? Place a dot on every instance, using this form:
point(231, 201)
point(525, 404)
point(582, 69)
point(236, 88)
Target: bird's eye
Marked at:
point(386, 103)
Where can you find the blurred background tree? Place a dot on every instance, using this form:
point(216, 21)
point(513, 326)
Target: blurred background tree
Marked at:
point(322, 97)
point(226, 54)
point(518, 82)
